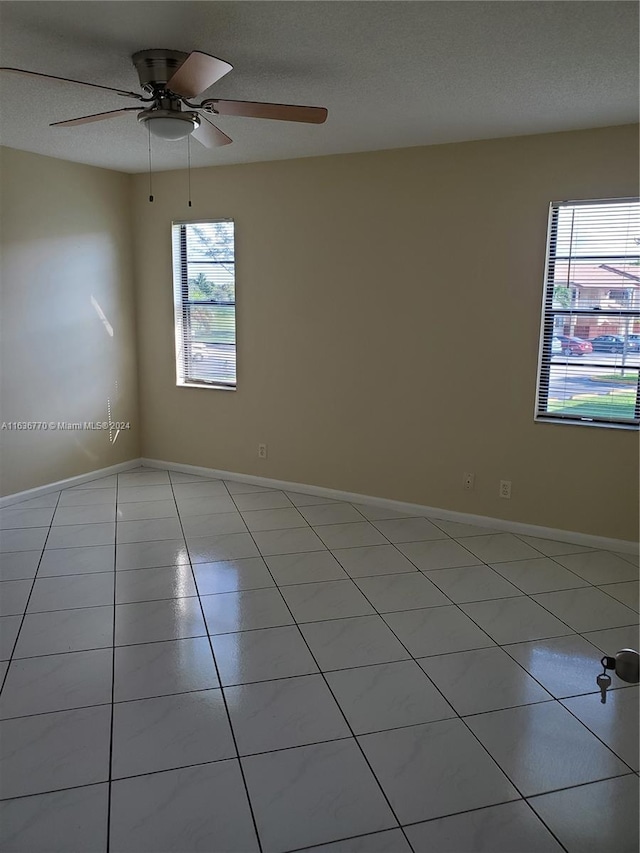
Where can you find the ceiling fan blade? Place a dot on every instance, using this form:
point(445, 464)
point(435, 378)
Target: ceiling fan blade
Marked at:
point(68, 80)
point(197, 73)
point(209, 135)
point(95, 117)
point(279, 112)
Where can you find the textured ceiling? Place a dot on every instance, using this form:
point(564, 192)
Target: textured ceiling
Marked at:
point(392, 74)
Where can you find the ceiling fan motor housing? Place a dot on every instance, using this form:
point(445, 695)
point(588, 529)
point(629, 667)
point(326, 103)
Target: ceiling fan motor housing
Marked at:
point(166, 117)
point(156, 67)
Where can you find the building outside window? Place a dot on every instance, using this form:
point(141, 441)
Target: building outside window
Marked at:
point(590, 338)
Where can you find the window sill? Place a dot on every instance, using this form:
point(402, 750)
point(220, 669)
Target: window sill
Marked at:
point(584, 423)
point(206, 387)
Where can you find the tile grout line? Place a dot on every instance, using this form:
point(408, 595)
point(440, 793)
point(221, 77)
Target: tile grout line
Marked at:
point(597, 736)
point(222, 693)
point(452, 602)
point(470, 811)
point(354, 580)
point(282, 586)
point(268, 681)
point(24, 615)
point(306, 675)
point(468, 728)
point(445, 538)
point(625, 775)
point(434, 685)
point(500, 646)
point(113, 678)
point(527, 595)
point(570, 632)
point(288, 625)
point(313, 847)
point(544, 557)
point(328, 686)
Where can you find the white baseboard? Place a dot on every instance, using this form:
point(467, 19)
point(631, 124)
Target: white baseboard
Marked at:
point(574, 537)
point(38, 491)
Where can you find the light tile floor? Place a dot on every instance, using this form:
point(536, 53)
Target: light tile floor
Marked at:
point(194, 665)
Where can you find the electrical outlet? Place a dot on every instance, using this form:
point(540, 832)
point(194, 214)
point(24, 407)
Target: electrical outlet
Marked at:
point(468, 482)
point(262, 451)
point(505, 489)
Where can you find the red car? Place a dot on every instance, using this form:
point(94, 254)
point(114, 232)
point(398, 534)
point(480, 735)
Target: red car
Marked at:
point(574, 346)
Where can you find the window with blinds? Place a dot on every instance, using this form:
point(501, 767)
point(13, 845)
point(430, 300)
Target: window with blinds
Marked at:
point(205, 303)
point(590, 338)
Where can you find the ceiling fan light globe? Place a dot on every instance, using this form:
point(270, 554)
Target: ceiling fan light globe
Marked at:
point(171, 127)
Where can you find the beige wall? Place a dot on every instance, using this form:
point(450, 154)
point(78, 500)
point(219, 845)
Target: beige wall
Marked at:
point(388, 317)
point(388, 313)
point(66, 259)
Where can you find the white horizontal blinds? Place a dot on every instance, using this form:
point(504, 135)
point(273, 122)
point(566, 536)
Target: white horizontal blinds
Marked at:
point(590, 346)
point(205, 302)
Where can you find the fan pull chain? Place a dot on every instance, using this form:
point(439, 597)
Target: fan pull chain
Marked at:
point(150, 188)
point(189, 167)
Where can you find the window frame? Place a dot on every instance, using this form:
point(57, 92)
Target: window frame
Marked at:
point(547, 321)
point(182, 305)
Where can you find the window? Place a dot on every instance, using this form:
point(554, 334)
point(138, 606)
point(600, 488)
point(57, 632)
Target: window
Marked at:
point(205, 303)
point(620, 295)
point(590, 338)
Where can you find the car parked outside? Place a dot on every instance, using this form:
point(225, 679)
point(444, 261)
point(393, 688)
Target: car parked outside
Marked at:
point(574, 346)
point(556, 345)
point(613, 343)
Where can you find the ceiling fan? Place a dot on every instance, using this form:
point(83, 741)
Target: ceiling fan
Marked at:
point(169, 79)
